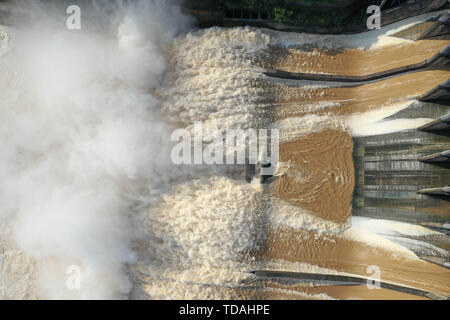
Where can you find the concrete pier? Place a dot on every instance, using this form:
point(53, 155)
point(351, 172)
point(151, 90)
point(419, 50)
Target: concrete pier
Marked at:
point(439, 125)
point(444, 191)
point(440, 157)
point(439, 94)
point(436, 28)
point(332, 279)
point(440, 28)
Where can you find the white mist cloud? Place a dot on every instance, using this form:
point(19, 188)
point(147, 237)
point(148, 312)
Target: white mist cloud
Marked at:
point(81, 138)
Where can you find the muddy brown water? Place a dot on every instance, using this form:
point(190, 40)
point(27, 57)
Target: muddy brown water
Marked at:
point(321, 179)
point(357, 62)
point(295, 102)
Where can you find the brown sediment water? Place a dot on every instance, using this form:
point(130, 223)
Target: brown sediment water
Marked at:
point(339, 253)
point(356, 61)
point(358, 292)
point(293, 101)
point(311, 291)
point(320, 177)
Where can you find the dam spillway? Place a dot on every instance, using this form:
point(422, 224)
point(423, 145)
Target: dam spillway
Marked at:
point(439, 94)
point(440, 61)
point(91, 124)
point(389, 171)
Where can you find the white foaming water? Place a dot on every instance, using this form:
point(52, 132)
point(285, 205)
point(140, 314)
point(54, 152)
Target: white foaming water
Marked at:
point(374, 122)
point(81, 139)
point(374, 240)
point(202, 233)
point(384, 127)
point(297, 127)
point(4, 41)
point(391, 228)
point(215, 79)
point(401, 233)
point(283, 214)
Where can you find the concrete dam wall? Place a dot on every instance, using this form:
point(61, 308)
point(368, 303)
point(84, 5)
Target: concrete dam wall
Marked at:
point(389, 173)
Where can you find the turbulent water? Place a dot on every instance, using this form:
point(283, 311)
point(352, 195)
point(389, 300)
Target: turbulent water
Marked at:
point(86, 177)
